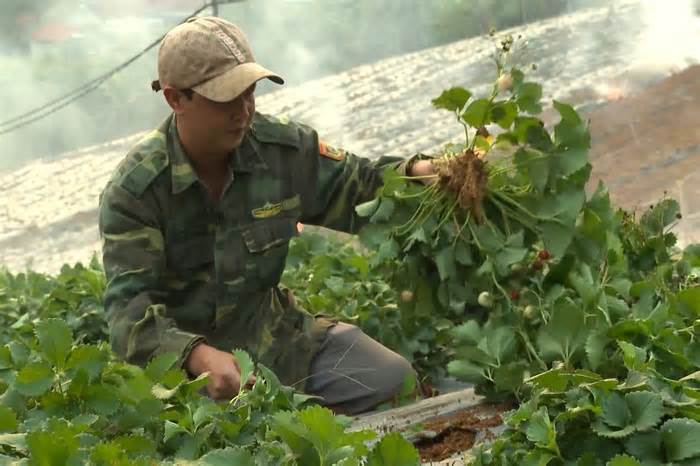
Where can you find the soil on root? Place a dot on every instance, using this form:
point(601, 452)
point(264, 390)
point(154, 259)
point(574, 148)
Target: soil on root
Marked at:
point(466, 177)
point(457, 432)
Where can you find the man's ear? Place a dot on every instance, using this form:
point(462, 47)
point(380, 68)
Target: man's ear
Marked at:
point(175, 99)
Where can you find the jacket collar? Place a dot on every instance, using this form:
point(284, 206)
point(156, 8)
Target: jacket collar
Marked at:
point(244, 159)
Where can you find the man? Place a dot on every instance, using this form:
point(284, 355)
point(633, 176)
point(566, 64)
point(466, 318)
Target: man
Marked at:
point(196, 222)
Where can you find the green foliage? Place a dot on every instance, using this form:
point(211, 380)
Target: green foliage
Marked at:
point(548, 295)
point(330, 276)
point(65, 399)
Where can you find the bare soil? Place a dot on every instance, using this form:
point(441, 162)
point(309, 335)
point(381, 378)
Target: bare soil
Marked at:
point(457, 432)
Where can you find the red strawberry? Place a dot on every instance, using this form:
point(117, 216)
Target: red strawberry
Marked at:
point(544, 255)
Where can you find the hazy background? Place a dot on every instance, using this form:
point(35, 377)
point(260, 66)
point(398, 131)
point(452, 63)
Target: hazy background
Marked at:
point(49, 47)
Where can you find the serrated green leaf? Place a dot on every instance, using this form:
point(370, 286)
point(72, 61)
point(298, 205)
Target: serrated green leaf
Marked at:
point(453, 99)
point(101, 399)
point(8, 419)
point(553, 380)
point(34, 379)
point(634, 357)
point(645, 445)
point(368, 208)
point(503, 114)
point(158, 366)
point(56, 446)
point(623, 460)
point(389, 249)
point(164, 393)
point(615, 411)
point(662, 215)
point(227, 457)
point(681, 439)
point(534, 166)
point(646, 409)
point(89, 358)
point(393, 450)
point(557, 237)
point(384, 212)
point(205, 413)
point(565, 334)
point(446, 265)
point(538, 137)
point(55, 340)
point(463, 254)
point(324, 431)
point(541, 431)
point(108, 453)
point(171, 429)
point(246, 366)
point(468, 332)
point(500, 342)
point(567, 161)
point(509, 377)
point(595, 349)
point(5, 358)
point(606, 431)
point(476, 113)
point(528, 97)
point(466, 371)
point(538, 457)
point(136, 445)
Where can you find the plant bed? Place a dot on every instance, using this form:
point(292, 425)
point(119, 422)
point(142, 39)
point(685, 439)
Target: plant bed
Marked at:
point(449, 435)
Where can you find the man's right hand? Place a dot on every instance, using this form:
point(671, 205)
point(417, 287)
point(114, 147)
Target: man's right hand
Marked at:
point(224, 372)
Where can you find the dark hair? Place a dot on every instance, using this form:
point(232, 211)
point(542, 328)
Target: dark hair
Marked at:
point(189, 93)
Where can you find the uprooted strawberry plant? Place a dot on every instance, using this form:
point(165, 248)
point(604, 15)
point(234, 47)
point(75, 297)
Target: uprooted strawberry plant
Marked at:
point(538, 291)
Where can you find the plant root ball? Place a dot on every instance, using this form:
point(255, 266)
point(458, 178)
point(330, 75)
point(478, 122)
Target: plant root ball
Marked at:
point(466, 177)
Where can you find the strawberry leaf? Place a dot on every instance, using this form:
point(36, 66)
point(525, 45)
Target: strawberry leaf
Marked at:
point(681, 439)
point(392, 450)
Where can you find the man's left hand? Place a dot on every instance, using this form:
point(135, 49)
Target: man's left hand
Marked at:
point(424, 170)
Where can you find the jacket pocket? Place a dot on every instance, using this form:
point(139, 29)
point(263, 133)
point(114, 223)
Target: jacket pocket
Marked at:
point(267, 243)
point(266, 237)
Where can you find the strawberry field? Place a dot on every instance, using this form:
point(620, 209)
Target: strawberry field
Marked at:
point(505, 270)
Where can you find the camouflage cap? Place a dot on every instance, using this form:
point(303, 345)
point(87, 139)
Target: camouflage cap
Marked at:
point(212, 57)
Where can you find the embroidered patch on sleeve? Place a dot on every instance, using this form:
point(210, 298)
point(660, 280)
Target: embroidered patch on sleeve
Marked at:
point(330, 151)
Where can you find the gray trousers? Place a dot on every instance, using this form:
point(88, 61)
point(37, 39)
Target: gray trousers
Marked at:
point(353, 373)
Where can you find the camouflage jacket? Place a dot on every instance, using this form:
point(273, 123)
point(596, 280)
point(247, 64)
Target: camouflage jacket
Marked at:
point(182, 269)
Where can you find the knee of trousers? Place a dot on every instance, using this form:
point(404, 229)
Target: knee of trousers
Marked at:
point(395, 373)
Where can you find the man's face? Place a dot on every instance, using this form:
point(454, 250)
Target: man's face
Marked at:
point(222, 124)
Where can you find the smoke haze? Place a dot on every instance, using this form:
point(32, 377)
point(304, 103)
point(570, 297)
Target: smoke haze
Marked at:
point(62, 44)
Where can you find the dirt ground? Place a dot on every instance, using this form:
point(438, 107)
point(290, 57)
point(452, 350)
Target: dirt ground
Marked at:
point(446, 436)
point(646, 144)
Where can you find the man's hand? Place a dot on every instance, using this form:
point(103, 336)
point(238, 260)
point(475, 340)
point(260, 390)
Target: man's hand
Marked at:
point(425, 170)
point(224, 372)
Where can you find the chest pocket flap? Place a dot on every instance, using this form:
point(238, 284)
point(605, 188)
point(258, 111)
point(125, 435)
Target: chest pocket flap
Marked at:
point(268, 235)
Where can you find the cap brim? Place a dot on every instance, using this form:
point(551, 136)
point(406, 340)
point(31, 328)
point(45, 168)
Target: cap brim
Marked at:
point(232, 83)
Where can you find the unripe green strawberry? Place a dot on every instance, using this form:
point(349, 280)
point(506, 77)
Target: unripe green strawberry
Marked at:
point(529, 312)
point(485, 299)
point(505, 82)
